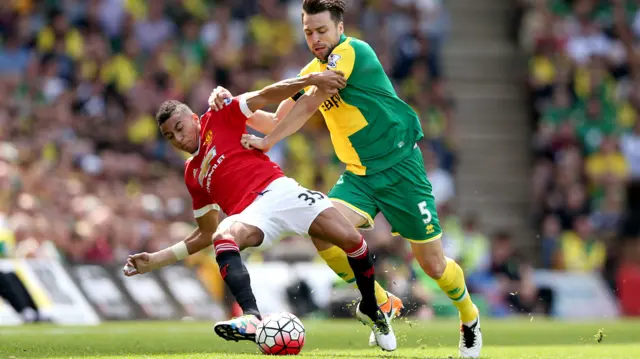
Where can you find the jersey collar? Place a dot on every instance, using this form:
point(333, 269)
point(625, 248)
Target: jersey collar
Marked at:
point(198, 150)
point(343, 38)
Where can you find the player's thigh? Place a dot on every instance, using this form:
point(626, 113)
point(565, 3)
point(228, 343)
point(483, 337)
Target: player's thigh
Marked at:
point(332, 228)
point(405, 198)
point(354, 219)
point(290, 210)
point(352, 196)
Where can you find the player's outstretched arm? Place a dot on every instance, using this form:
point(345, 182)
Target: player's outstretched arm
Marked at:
point(261, 121)
point(303, 109)
point(329, 81)
point(198, 240)
point(264, 122)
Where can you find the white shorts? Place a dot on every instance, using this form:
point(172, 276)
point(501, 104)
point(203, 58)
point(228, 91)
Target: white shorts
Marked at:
point(283, 209)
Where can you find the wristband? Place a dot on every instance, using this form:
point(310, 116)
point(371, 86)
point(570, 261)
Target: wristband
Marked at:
point(180, 250)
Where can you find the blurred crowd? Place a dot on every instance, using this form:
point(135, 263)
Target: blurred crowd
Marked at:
point(584, 82)
point(85, 175)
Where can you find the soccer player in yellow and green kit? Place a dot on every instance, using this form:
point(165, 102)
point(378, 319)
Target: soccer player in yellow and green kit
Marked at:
point(374, 133)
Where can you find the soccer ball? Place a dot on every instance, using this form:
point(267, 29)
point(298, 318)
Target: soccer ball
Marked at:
point(280, 334)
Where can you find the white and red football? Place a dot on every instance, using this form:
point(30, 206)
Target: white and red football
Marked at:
point(280, 334)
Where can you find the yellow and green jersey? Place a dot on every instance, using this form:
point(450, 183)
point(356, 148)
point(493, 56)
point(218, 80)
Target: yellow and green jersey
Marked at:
point(371, 128)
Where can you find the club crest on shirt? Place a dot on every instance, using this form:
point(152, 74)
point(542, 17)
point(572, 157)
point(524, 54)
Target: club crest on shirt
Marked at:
point(227, 101)
point(208, 137)
point(332, 60)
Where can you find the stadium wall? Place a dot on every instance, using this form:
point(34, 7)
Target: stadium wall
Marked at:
point(89, 294)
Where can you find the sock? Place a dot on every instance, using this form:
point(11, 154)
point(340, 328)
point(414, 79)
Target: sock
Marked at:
point(362, 265)
point(337, 260)
point(452, 283)
point(235, 275)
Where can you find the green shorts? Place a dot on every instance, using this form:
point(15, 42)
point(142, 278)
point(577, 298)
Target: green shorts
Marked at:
point(402, 193)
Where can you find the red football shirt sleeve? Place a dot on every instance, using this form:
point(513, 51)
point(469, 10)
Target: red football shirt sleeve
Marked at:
point(201, 202)
point(239, 110)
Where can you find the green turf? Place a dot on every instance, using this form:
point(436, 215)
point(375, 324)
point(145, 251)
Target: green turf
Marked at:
point(325, 339)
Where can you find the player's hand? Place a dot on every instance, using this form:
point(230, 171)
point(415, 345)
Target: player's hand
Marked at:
point(329, 81)
point(138, 264)
point(252, 142)
point(216, 99)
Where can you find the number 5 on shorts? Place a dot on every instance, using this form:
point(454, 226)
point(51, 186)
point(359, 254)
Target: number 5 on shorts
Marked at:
point(425, 212)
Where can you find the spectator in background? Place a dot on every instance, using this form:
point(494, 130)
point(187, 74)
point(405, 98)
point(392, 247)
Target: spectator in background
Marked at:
point(13, 56)
point(630, 145)
point(606, 163)
point(550, 235)
point(429, 25)
point(514, 278)
point(441, 180)
point(154, 27)
point(608, 216)
point(60, 36)
point(580, 249)
point(476, 249)
point(575, 204)
point(543, 70)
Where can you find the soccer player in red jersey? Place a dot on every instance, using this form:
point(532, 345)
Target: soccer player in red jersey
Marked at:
point(262, 204)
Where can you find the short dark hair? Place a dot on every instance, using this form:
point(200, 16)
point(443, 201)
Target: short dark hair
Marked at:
point(337, 8)
point(170, 108)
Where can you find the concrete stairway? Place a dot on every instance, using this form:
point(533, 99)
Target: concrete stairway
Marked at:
point(486, 76)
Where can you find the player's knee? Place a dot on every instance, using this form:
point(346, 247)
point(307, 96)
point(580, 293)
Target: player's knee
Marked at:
point(434, 266)
point(353, 238)
point(224, 242)
point(346, 237)
point(246, 235)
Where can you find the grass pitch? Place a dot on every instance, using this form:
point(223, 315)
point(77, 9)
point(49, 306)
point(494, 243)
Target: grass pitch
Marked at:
point(526, 339)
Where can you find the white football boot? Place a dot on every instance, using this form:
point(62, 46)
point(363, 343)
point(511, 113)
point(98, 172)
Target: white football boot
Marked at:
point(381, 328)
point(470, 340)
point(391, 308)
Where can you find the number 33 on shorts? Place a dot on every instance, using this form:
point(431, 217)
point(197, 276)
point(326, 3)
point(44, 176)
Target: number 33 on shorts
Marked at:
point(310, 196)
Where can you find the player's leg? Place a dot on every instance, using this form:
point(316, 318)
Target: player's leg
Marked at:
point(231, 238)
point(359, 209)
point(331, 226)
point(408, 204)
point(337, 260)
point(450, 278)
point(293, 208)
point(351, 196)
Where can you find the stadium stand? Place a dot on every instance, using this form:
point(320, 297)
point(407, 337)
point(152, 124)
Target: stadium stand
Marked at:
point(584, 91)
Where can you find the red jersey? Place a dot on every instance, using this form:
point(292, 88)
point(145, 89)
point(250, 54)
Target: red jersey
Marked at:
point(222, 174)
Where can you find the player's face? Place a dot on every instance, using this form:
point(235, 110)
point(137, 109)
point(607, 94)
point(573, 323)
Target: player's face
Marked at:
point(322, 33)
point(182, 131)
